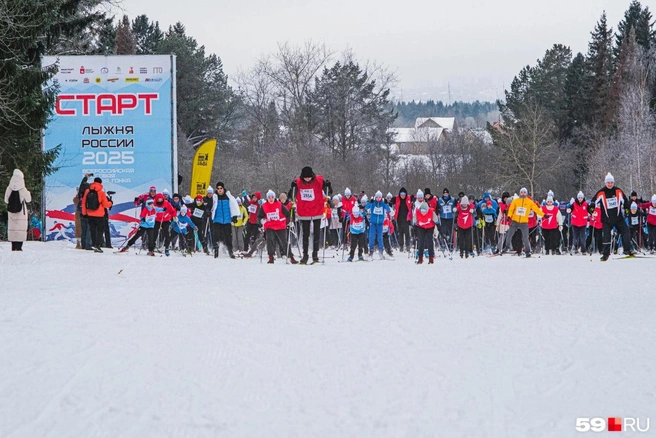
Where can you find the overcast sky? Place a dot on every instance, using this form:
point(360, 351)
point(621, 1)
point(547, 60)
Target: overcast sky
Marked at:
point(473, 44)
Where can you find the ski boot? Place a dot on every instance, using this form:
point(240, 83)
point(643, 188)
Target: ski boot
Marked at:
point(293, 261)
point(232, 256)
point(430, 260)
point(528, 255)
point(166, 252)
point(420, 260)
point(151, 253)
point(97, 249)
point(304, 260)
point(124, 249)
point(360, 258)
point(350, 259)
point(216, 252)
point(270, 262)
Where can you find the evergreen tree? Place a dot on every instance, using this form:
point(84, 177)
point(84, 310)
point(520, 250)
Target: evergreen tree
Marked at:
point(600, 66)
point(126, 44)
point(351, 112)
point(638, 19)
point(148, 35)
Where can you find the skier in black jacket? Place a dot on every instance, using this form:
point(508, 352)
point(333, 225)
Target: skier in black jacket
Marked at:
point(612, 202)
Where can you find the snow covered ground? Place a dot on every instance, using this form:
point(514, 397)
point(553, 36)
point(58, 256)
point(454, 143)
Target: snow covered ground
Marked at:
point(105, 345)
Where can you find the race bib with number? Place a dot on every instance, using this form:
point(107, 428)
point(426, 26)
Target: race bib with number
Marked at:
point(273, 216)
point(252, 208)
point(521, 211)
point(652, 210)
point(307, 194)
point(198, 212)
point(447, 209)
point(489, 218)
point(634, 220)
point(333, 213)
point(150, 219)
point(378, 210)
point(182, 226)
point(611, 203)
point(385, 229)
point(357, 226)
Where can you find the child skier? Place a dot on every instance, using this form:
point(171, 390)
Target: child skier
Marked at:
point(180, 227)
point(377, 210)
point(579, 214)
point(357, 232)
point(425, 220)
point(465, 221)
point(273, 215)
point(146, 226)
point(552, 225)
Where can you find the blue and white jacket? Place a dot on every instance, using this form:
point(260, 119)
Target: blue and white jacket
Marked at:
point(377, 211)
point(182, 225)
point(447, 207)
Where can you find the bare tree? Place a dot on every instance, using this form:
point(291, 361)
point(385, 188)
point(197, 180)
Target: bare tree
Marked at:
point(528, 151)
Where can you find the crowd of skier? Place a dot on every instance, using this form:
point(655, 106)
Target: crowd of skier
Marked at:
point(355, 227)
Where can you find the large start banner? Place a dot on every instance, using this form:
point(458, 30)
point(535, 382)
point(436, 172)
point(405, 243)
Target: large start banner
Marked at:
point(114, 118)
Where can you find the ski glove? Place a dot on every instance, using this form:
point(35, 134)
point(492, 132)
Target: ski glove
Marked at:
point(234, 219)
point(294, 185)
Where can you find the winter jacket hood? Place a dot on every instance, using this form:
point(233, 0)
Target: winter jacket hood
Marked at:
point(17, 181)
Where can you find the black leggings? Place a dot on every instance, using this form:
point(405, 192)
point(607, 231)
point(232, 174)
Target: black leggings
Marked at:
point(316, 237)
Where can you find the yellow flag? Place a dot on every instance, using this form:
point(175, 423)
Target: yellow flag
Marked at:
point(201, 170)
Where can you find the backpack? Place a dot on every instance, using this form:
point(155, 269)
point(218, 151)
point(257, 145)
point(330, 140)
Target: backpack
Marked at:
point(14, 205)
point(92, 202)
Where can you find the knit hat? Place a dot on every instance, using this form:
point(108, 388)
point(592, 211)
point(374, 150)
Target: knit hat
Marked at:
point(183, 210)
point(550, 193)
point(166, 192)
point(257, 195)
point(270, 193)
point(445, 191)
point(97, 180)
point(152, 189)
point(307, 172)
point(339, 196)
point(388, 195)
point(364, 198)
point(220, 184)
point(423, 207)
point(634, 193)
point(187, 199)
point(505, 195)
point(609, 178)
point(403, 191)
point(347, 192)
point(420, 194)
point(653, 199)
point(239, 201)
point(210, 190)
point(427, 191)
point(199, 198)
point(378, 194)
point(150, 201)
point(464, 200)
point(159, 198)
point(550, 199)
point(523, 190)
point(336, 198)
point(356, 210)
point(580, 195)
point(634, 206)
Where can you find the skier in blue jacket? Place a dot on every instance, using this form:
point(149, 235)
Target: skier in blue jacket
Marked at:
point(446, 205)
point(489, 209)
point(376, 210)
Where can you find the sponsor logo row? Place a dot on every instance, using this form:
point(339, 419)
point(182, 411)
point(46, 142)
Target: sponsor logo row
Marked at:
point(117, 71)
point(99, 80)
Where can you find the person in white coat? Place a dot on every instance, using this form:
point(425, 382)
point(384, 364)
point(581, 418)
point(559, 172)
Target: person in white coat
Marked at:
point(17, 226)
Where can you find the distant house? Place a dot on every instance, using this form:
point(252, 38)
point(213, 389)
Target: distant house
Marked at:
point(428, 131)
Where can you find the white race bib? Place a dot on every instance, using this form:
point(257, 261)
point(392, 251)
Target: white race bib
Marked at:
point(521, 211)
point(489, 218)
point(198, 212)
point(652, 210)
point(150, 219)
point(447, 209)
point(634, 220)
point(333, 213)
point(385, 228)
point(182, 226)
point(252, 208)
point(307, 194)
point(273, 216)
point(611, 203)
point(357, 226)
point(378, 210)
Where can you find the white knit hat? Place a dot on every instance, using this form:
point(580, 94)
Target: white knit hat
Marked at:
point(270, 193)
point(634, 206)
point(609, 178)
point(378, 194)
point(464, 200)
point(523, 189)
point(580, 195)
point(653, 199)
point(347, 192)
point(420, 194)
point(549, 198)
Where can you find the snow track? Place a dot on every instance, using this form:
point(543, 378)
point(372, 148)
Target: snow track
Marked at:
point(198, 347)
